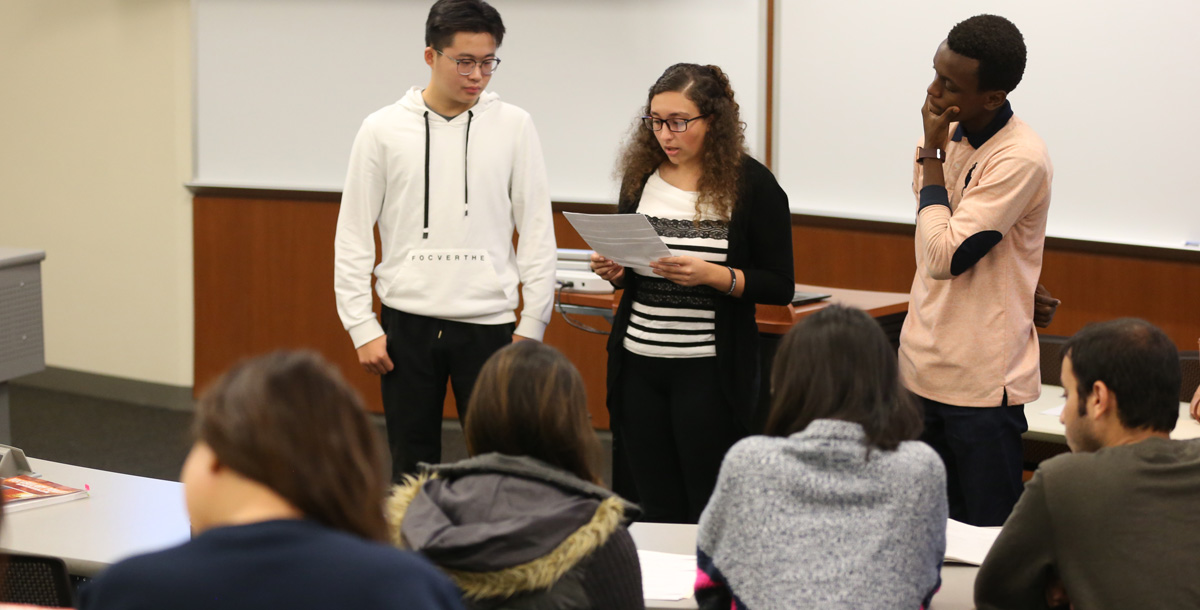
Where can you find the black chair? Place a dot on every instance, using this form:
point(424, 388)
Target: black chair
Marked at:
point(1035, 452)
point(1189, 365)
point(1051, 348)
point(36, 580)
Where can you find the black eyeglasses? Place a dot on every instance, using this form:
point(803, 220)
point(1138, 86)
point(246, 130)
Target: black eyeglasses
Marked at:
point(675, 125)
point(467, 66)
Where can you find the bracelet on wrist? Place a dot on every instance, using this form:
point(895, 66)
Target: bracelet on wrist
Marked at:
point(732, 281)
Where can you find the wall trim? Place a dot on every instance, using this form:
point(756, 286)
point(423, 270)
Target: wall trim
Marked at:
point(143, 393)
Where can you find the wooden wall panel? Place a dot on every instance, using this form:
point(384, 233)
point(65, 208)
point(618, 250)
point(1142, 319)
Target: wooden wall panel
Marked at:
point(1098, 287)
point(853, 258)
point(264, 281)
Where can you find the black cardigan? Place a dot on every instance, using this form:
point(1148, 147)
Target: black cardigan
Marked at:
point(760, 244)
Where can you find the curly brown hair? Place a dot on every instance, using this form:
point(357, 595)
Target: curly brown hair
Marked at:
point(724, 145)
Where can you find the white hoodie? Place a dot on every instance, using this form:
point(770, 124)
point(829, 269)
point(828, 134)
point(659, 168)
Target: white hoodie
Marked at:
point(447, 240)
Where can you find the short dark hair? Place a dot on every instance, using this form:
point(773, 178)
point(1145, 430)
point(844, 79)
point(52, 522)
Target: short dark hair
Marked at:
point(1138, 363)
point(449, 17)
point(529, 400)
point(997, 44)
point(837, 364)
point(289, 421)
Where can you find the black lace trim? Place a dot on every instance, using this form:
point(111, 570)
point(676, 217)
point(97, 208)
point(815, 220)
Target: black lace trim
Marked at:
point(659, 292)
point(687, 229)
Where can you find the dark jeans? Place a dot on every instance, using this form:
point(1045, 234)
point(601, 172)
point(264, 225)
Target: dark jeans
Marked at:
point(426, 352)
point(981, 447)
point(675, 428)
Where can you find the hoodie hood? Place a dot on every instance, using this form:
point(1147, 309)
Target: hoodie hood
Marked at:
point(413, 102)
point(501, 525)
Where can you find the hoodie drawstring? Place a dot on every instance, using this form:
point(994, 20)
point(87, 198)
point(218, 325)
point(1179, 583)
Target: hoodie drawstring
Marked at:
point(466, 149)
point(425, 233)
point(466, 174)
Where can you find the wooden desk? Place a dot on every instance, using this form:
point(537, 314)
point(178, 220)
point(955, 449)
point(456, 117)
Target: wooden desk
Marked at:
point(124, 516)
point(778, 319)
point(958, 580)
point(588, 352)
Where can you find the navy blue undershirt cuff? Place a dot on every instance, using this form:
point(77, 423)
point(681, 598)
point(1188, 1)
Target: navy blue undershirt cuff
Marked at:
point(933, 195)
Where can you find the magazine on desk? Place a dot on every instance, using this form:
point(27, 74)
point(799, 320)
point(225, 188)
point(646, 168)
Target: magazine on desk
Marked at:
point(24, 492)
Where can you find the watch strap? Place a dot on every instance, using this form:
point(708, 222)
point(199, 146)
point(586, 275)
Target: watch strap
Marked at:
point(930, 153)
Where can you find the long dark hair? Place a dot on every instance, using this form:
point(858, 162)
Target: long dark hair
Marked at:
point(837, 364)
point(724, 145)
point(529, 400)
point(290, 422)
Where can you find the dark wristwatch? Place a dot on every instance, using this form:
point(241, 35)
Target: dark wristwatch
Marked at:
point(930, 153)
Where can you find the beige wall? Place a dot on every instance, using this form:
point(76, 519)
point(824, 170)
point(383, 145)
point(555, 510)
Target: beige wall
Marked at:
point(95, 147)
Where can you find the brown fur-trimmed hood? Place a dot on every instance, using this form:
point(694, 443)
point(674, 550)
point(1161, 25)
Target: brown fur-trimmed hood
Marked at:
point(502, 525)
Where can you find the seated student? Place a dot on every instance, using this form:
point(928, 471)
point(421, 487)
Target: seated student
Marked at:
point(524, 523)
point(1114, 524)
point(837, 506)
point(284, 487)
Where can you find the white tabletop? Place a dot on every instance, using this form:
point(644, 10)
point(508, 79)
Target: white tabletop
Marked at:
point(124, 516)
point(958, 581)
point(1045, 427)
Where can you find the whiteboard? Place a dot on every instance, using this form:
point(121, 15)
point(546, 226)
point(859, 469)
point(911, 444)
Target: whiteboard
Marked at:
point(282, 85)
point(1110, 86)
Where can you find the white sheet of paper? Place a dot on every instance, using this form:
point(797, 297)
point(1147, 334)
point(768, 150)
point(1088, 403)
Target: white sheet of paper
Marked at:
point(1055, 411)
point(627, 239)
point(967, 543)
point(667, 576)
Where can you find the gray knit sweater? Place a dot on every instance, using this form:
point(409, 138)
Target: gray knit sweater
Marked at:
point(814, 520)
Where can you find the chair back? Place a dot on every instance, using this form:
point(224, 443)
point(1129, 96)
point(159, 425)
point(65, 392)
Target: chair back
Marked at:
point(1051, 356)
point(1189, 365)
point(36, 580)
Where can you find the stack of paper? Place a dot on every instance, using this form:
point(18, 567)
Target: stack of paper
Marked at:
point(667, 576)
point(967, 543)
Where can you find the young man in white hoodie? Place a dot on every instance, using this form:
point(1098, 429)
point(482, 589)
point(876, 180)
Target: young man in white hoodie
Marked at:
point(447, 173)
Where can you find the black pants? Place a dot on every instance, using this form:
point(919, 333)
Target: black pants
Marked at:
point(981, 448)
point(675, 428)
point(426, 352)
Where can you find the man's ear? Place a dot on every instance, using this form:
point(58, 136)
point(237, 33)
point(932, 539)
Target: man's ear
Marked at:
point(995, 99)
point(429, 52)
point(1102, 402)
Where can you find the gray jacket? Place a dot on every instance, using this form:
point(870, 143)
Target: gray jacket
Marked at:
point(816, 520)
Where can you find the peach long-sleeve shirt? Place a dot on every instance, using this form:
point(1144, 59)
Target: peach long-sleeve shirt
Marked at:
point(969, 338)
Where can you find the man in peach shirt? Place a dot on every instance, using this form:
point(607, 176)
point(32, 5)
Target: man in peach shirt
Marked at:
point(968, 348)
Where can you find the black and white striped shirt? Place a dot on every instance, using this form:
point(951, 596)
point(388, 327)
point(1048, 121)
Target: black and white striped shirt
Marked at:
point(669, 320)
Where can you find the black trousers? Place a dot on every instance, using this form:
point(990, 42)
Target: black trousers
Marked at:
point(426, 352)
point(675, 428)
point(981, 448)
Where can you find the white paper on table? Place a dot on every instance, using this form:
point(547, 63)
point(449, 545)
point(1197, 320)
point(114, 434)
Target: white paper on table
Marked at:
point(1055, 411)
point(667, 576)
point(967, 543)
point(627, 239)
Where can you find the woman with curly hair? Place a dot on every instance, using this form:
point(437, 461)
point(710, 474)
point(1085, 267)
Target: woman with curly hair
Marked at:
point(683, 357)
